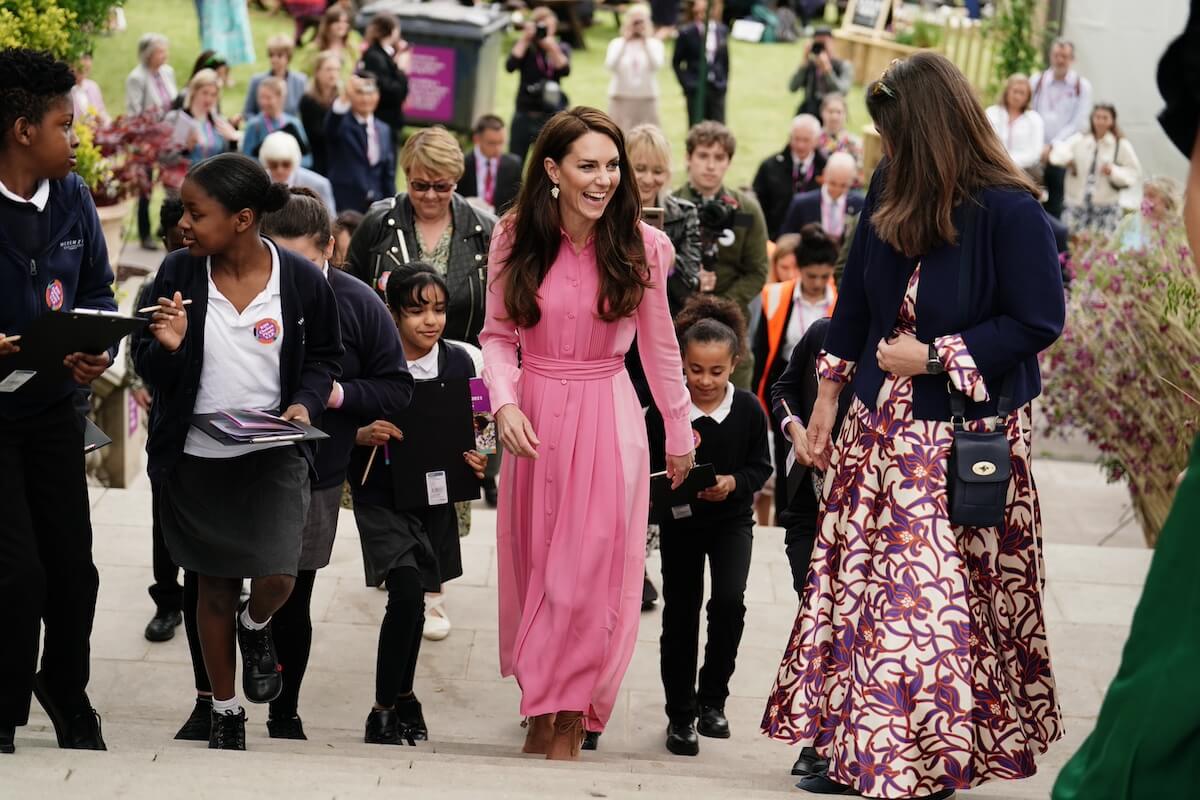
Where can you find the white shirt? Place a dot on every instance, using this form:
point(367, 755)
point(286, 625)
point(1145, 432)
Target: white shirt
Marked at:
point(634, 64)
point(804, 314)
point(833, 216)
point(1065, 105)
point(1022, 137)
point(241, 361)
point(41, 195)
point(425, 368)
point(482, 163)
point(718, 414)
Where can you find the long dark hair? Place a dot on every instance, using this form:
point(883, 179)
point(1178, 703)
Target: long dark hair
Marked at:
point(942, 150)
point(1111, 109)
point(535, 226)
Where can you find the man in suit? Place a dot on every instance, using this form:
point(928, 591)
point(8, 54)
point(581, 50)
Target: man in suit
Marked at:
point(831, 205)
point(797, 169)
point(691, 48)
point(491, 175)
point(362, 166)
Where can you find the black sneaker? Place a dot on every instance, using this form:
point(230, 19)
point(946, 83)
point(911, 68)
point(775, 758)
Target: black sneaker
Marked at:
point(262, 678)
point(228, 731)
point(75, 731)
point(162, 627)
point(383, 727)
point(286, 728)
point(198, 726)
point(712, 723)
point(410, 718)
point(8, 735)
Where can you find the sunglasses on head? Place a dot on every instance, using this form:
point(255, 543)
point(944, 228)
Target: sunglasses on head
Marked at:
point(421, 187)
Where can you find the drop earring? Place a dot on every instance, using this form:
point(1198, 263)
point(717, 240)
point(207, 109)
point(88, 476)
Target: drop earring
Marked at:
point(554, 191)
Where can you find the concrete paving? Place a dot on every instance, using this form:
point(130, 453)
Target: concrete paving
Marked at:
point(1095, 562)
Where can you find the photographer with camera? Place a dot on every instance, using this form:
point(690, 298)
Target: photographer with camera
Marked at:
point(821, 73)
point(634, 59)
point(733, 232)
point(543, 61)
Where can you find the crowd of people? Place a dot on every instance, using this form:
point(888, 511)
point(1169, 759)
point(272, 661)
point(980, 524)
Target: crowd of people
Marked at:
point(596, 295)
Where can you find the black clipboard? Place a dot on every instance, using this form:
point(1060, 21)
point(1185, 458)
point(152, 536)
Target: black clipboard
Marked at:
point(93, 437)
point(438, 428)
point(667, 505)
point(56, 334)
point(307, 433)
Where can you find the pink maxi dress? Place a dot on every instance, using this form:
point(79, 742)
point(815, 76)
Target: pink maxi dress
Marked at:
point(571, 524)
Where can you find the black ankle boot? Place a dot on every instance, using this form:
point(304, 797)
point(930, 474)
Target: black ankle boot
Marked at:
point(228, 731)
point(262, 678)
point(682, 739)
point(810, 762)
point(410, 718)
point(198, 726)
point(383, 727)
point(712, 723)
point(289, 727)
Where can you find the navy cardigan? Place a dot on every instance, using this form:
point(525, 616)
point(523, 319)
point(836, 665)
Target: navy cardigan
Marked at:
point(308, 360)
point(1016, 307)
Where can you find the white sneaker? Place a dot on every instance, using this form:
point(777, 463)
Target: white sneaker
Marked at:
point(437, 623)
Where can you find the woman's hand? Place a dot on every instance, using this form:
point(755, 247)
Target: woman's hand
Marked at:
point(227, 131)
point(902, 356)
point(477, 461)
point(515, 432)
point(719, 490)
point(1106, 169)
point(86, 367)
point(800, 446)
point(297, 412)
point(170, 322)
point(820, 429)
point(678, 468)
point(8, 345)
point(378, 432)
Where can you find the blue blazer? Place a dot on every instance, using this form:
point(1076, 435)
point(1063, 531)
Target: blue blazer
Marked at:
point(806, 207)
point(357, 184)
point(1016, 307)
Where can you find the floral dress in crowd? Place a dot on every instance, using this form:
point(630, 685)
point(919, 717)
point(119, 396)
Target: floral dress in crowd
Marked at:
point(919, 658)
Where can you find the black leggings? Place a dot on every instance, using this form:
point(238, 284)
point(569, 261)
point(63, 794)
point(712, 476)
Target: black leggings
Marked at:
point(291, 628)
point(399, 636)
point(191, 589)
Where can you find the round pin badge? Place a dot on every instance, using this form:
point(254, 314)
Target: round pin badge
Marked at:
point(266, 331)
point(695, 439)
point(55, 295)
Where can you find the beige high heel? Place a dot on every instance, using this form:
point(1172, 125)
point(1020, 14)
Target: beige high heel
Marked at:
point(568, 736)
point(539, 734)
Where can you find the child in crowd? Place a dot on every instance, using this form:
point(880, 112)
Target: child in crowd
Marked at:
point(52, 258)
point(344, 226)
point(373, 384)
point(280, 50)
point(272, 97)
point(261, 333)
point(410, 550)
point(730, 431)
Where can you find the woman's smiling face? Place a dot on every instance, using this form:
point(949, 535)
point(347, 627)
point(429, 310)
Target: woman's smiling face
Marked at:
point(587, 177)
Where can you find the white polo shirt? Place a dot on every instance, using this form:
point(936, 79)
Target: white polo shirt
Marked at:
point(241, 361)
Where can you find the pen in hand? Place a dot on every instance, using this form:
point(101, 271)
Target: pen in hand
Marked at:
point(156, 307)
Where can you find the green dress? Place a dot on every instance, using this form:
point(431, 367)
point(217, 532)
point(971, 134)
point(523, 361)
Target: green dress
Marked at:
point(1147, 739)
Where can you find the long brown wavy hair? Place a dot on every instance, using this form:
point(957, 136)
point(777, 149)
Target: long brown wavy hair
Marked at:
point(942, 150)
point(535, 226)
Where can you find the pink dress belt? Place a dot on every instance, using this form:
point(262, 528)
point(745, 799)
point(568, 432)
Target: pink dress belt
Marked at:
point(572, 370)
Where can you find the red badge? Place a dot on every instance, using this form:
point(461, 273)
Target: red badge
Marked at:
point(695, 439)
point(381, 284)
point(55, 295)
point(266, 331)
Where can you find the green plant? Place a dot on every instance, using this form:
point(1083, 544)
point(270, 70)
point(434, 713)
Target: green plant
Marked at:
point(90, 163)
point(41, 25)
point(1014, 29)
point(923, 33)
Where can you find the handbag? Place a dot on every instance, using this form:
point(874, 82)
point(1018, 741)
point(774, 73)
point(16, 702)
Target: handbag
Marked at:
point(980, 464)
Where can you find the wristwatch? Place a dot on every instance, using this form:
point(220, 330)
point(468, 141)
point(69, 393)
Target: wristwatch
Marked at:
point(933, 365)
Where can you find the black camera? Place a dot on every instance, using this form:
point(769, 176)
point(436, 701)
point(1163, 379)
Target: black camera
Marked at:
point(817, 48)
point(715, 216)
point(541, 31)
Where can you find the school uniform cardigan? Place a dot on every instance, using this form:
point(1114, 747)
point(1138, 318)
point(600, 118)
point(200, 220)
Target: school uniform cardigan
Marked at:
point(1016, 306)
point(308, 359)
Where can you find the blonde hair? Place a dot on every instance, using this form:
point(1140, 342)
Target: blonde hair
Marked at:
point(636, 12)
point(204, 77)
point(1167, 188)
point(434, 149)
point(785, 246)
point(281, 41)
point(313, 90)
point(1015, 78)
point(648, 139)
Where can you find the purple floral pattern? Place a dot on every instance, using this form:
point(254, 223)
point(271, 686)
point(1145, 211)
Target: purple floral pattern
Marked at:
point(960, 367)
point(919, 660)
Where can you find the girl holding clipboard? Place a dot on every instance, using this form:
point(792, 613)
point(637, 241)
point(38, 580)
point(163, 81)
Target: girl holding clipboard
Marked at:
point(261, 333)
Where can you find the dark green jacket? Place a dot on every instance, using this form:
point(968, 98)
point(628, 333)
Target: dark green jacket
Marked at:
point(742, 266)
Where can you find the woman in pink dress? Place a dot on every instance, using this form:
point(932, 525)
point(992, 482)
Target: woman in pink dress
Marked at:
point(575, 275)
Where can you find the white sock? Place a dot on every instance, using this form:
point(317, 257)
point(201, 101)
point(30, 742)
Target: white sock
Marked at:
point(251, 624)
point(230, 706)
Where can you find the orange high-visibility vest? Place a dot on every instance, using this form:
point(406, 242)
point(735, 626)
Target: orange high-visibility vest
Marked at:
point(776, 305)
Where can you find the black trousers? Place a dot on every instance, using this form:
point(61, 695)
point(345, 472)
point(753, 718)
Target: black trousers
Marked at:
point(800, 532)
point(143, 218)
point(166, 592)
point(46, 567)
point(399, 636)
point(684, 550)
point(291, 628)
point(191, 589)
point(714, 107)
point(1054, 177)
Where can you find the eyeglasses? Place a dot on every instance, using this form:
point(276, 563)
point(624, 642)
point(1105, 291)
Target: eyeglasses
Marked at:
point(421, 187)
point(279, 164)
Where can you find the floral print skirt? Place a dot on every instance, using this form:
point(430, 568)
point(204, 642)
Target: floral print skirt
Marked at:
point(919, 660)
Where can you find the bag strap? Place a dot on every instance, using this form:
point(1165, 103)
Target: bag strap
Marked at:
point(958, 400)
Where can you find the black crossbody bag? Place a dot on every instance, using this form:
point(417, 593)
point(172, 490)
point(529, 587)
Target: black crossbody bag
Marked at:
point(980, 461)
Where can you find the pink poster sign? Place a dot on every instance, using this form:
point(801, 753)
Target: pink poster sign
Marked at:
point(431, 84)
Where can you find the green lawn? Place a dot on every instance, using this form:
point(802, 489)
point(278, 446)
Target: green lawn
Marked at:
point(758, 107)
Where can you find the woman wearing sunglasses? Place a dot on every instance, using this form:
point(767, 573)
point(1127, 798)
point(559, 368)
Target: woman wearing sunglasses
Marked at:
point(433, 224)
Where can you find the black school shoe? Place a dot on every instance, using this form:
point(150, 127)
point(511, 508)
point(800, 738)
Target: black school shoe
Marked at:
point(591, 740)
point(711, 722)
point(198, 726)
point(262, 676)
point(383, 727)
point(410, 718)
point(810, 762)
point(8, 735)
point(77, 731)
point(228, 731)
point(286, 728)
point(162, 627)
point(649, 594)
point(682, 739)
point(490, 496)
point(819, 784)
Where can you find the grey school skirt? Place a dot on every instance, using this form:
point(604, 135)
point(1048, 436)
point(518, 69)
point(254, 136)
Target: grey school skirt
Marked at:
point(320, 527)
point(237, 517)
point(426, 540)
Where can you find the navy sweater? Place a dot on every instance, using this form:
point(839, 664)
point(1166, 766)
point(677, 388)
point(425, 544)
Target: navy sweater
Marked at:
point(736, 446)
point(308, 360)
point(1016, 308)
point(374, 375)
point(53, 260)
